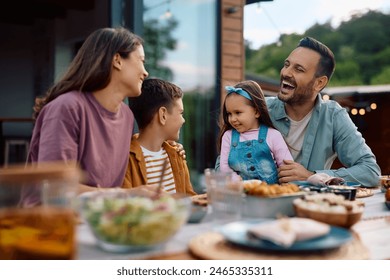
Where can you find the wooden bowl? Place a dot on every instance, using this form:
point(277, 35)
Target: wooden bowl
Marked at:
point(345, 220)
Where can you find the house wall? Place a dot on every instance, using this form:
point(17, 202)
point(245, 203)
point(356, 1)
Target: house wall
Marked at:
point(33, 55)
point(232, 44)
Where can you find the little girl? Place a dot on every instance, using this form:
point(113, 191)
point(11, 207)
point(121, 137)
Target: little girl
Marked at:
point(248, 142)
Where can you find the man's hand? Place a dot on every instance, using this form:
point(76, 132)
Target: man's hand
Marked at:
point(179, 148)
point(292, 171)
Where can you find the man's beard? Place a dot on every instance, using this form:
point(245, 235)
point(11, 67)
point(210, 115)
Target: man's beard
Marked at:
point(300, 95)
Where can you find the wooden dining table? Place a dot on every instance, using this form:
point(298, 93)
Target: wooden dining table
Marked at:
point(371, 240)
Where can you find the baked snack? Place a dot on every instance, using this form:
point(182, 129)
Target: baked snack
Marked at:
point(260, 188)
point(329, 208)
point(364, 192)
point(200, 199)
point(329, 203)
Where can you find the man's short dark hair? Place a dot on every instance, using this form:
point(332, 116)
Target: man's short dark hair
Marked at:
point(327, 62)
point(155, 93)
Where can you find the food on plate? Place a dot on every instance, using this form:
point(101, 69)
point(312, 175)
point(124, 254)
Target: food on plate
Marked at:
point(364, 192)
point(260, 188)
point(329, 203)
point(200, 199)
point(329, 208)
point(286, 231)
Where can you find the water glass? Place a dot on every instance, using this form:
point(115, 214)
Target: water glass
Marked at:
point(224, 195)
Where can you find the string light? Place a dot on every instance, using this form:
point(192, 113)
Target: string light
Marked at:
point(168, 13)
point(258, 8)
point(261, 9)
point(373, 106)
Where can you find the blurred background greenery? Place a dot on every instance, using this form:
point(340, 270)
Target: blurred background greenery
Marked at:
point(361, 47)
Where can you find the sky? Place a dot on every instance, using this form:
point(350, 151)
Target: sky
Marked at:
point(295, 16)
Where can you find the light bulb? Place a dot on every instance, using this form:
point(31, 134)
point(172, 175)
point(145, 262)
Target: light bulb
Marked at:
point(168, 14)
point(258, 8)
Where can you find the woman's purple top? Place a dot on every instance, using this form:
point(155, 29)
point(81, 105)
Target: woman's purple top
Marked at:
point(75, 127)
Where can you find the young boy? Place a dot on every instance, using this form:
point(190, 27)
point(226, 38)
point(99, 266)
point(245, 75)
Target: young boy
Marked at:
point(159, 115)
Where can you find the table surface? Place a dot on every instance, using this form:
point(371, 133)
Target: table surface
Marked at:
point(373, 230)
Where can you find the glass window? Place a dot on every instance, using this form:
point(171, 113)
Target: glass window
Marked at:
point(180, 46)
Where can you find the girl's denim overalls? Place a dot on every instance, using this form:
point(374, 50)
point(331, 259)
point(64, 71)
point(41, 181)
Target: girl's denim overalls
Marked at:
point(252, 159)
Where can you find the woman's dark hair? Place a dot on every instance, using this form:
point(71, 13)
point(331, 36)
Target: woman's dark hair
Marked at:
point(91, 68)
point(258, 103)
point(155, 93)
point(327, 61)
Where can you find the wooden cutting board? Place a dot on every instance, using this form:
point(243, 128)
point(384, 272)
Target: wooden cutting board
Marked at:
point(213, 246)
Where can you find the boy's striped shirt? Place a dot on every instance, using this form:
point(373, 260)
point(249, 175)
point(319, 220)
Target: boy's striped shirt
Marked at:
point(154, 164)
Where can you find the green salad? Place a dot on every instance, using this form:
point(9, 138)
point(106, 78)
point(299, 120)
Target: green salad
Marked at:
point(134, 220)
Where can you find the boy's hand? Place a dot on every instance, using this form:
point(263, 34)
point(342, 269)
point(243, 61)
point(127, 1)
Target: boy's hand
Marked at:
point(179, 148)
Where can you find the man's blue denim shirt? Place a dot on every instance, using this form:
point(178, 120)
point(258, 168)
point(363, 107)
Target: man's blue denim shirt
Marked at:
point(331, 133)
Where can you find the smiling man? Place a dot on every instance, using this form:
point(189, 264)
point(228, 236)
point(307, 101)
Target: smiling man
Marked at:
point(315, 130)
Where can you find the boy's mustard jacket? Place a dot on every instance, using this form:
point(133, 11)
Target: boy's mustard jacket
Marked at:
point(136, 169)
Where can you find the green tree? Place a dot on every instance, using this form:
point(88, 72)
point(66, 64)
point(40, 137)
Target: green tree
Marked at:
point(347, 74)
point(382, 78)
point(361, 46)
point(158, 40)
point(269, 59)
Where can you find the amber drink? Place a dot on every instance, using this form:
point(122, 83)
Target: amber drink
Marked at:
point(37, 220)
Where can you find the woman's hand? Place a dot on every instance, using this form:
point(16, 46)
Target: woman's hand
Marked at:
point(179, 148)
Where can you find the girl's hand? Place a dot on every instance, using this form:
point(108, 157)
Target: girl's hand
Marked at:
point(179, 148)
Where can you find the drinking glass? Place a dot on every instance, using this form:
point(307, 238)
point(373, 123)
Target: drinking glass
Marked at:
point(37, 219)
point(224, 195)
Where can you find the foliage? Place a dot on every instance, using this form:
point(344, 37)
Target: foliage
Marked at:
point(361, 46)
point(158, 40)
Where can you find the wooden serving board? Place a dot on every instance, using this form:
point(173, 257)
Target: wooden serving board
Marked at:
point(213, 246)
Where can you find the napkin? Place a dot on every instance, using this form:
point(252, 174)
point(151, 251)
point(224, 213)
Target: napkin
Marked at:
point(286, 231)
point(323, 179)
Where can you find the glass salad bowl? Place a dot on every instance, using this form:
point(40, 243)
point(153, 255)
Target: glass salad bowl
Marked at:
point(122, 221)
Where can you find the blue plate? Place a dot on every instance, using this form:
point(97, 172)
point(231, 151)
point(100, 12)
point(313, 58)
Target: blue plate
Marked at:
point(353, 184)
point(237, 233)
point(306, 185)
